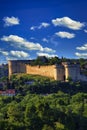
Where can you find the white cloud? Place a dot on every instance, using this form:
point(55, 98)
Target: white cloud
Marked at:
point(42, 25)
point(5, 53)
point(68, 22)
point(22, 43)
point(82, 48)
point(45, 40)
point(65, 35)
point(12, 58)
point(85, 31)
point(81, 55)
point(45, 54)
point(12, 53)
point(19, 54)
point(45, 25)
point(49, 50)
point(10, 21)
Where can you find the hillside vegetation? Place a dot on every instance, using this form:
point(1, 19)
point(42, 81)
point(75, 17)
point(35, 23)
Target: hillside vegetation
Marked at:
point(44, 104)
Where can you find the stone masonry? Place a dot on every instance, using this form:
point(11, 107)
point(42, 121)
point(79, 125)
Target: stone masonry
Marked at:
point(58, 72)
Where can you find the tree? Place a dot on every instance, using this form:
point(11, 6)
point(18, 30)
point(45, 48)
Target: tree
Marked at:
point(47, 127)
point(14, 113)
point(31, 118)
point(54, 60)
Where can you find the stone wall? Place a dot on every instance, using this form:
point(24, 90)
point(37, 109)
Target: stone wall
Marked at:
point(72, 71)
point(83, 78)
point(16, 67)
point(58, 72)
point(48, 71)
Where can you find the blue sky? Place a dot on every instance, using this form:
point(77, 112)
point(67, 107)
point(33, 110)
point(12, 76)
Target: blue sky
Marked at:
point(31, 28)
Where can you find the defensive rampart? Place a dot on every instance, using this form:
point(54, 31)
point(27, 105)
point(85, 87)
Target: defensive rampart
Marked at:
point(58, 72)
point(48, 71)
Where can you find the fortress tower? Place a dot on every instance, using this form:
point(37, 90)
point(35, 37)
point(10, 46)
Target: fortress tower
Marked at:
point(72, 71)
point(16, 67)
point(59, 72)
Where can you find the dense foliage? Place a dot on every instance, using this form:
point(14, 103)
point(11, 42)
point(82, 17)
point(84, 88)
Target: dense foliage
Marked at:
point(42, 60)
point(44, 104)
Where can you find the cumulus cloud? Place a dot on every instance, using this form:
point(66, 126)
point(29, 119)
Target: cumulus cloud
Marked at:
point(81, 55)
point(19, 54)
point(5, 53)
point(45, 54)
point(68, 22)
point(82, 48)
point(49, 50)
point(42, 25)
point(24, 44)
point(14, 54)
point(65, 35)
point(10, 21)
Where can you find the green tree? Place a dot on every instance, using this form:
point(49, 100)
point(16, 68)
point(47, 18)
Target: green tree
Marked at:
point(33, 122)
point(47, 127)
point(14, 113)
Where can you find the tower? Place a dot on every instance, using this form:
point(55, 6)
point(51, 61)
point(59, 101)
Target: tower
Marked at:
point(16, 67)
point(11, 68)
point(59, 72)
point(72, 71)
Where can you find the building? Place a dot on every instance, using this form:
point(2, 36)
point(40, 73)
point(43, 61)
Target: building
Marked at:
point(59, 72)
point(9, 92)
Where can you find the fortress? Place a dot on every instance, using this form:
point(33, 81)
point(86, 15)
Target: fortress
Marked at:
point(58, 72)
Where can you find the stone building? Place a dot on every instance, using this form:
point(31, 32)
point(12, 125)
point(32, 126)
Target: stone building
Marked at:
point(58, 72)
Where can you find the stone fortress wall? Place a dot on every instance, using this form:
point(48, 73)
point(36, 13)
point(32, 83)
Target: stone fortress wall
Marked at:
point(16, 67)
point(58, 72)
point(48, 71)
